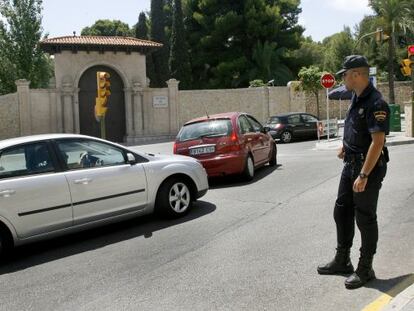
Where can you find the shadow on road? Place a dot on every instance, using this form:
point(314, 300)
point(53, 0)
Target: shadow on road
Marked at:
point(38, 253)
point(237, 180)
point(392, 286)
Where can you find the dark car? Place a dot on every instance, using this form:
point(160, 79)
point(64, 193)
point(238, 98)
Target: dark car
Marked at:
point(227, 143)
point(292, 125)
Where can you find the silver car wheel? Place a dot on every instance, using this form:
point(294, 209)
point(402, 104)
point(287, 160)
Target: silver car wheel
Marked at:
point(286, 137)
point(179, 197)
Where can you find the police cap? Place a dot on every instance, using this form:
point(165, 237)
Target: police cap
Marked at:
point(353, 61)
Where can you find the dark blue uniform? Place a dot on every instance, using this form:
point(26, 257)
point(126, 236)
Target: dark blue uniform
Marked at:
point(368, 113)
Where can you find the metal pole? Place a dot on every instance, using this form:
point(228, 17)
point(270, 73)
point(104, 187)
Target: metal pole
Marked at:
point(327, 110)
point(412, 99)
point(103, 130)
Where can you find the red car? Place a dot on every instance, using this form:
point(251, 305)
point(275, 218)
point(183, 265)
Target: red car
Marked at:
point(227, 143)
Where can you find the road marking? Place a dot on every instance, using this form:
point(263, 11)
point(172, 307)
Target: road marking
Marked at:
point(386, 298)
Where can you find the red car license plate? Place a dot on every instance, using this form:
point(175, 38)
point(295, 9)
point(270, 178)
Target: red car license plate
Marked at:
point(202, 150)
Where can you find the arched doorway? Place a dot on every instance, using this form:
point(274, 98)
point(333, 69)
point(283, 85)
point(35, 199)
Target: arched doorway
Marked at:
point(115, 116)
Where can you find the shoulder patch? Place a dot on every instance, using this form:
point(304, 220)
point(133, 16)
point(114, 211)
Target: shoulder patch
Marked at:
point(380, 115)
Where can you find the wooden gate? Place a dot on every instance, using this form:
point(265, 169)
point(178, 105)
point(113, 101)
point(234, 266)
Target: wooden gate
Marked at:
point(115, 116)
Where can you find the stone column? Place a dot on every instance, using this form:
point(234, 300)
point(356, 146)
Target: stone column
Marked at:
point(173, 105)
point(129, 113)
point(25, 113)
point(408, 115)
point(52, 106)
point(68, 115)
point(147, 101)
point(138, 111)
point(76, 110)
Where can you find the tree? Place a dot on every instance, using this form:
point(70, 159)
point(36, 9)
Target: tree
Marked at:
point(141, 28)
point(141, 32)
point(20, 55)
point(106, 27)
point(268, 65)
point(179, 63)
point(157, 34)
point(224, 35)
point(337, 47)
point(310, 82)
point(309, 53)
point(395, 16)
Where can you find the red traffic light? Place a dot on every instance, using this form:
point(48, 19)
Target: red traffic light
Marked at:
point(410, 50)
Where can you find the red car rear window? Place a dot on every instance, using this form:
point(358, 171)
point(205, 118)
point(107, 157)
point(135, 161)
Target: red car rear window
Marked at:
point(207, 128)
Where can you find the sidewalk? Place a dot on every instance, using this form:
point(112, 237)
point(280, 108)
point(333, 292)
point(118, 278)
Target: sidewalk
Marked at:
point(403, 301)
point(393, 139)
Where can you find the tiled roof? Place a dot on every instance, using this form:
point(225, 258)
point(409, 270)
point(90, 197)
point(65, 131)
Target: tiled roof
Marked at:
point(97, 43)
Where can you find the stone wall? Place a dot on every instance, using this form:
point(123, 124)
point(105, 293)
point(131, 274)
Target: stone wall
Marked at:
point(402, 92)
point(9, 116)
point(194, 104)
point(261, 102)
point(45, 111)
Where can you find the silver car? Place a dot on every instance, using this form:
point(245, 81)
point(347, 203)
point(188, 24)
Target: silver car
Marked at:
point(59, 183)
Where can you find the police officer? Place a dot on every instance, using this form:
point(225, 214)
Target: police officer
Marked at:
point(365, 165)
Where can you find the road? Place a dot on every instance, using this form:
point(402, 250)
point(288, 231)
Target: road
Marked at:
point(245, 246)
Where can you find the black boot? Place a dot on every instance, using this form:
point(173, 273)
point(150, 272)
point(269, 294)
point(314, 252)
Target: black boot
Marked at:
point(341, 264)
point(363, 274)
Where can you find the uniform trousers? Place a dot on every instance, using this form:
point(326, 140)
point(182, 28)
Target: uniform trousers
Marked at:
point(359, 206)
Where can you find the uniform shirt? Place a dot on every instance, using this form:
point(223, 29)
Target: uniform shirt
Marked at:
point(368, 114)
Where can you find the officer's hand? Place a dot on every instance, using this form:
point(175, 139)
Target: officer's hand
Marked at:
point(340, 153)
point(359, 184)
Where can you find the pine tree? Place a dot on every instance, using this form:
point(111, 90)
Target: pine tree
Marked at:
point(160, 56)
point(141, 32)
point(141, 28)
point(179, 64)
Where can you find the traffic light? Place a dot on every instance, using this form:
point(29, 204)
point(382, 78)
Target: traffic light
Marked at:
point(410, 51)
point(406, 64)
point(380, 36)
point(405, 67)
point(103, 92)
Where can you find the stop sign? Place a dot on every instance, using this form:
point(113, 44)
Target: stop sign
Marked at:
point(327, 80)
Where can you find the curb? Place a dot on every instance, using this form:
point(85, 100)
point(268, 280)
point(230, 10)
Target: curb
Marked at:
point(404, 301)
point(399, 142)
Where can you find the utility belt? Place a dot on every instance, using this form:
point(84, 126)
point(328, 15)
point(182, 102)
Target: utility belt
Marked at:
point(354, 158)
point(359, 158)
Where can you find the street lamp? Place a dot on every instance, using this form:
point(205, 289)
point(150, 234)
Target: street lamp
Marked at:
point(379, 33)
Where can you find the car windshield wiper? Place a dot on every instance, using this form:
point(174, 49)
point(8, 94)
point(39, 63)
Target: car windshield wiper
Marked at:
point(205, 135)
point(212, 135)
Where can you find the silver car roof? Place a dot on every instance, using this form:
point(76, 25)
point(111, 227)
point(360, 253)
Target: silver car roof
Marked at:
point(27, 139)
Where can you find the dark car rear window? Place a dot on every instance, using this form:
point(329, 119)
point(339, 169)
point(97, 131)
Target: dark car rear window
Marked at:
point(274, 120)
point(207, 128)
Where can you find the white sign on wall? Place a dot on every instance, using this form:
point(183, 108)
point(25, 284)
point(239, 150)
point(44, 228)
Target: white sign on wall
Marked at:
point(160, 101)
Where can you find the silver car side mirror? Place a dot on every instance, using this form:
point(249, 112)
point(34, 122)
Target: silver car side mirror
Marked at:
point(131, 158)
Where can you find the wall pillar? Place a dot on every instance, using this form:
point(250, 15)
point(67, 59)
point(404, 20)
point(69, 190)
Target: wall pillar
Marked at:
point(68, 109)
point(129, 113)
point(147, 101)
point(173, 101)
point(23, 98)
point(76, 110)
point(138, 111)
point(408, 115)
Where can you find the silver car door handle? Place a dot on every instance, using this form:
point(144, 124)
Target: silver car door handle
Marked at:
point(83, 181)
point(7, 193)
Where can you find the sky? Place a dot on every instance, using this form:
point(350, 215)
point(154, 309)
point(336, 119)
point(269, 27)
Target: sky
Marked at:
point(321, 18)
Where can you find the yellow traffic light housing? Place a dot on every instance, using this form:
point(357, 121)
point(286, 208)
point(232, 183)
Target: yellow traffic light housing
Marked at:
point(103, 92)
point(380, 36)
point(405, 67)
